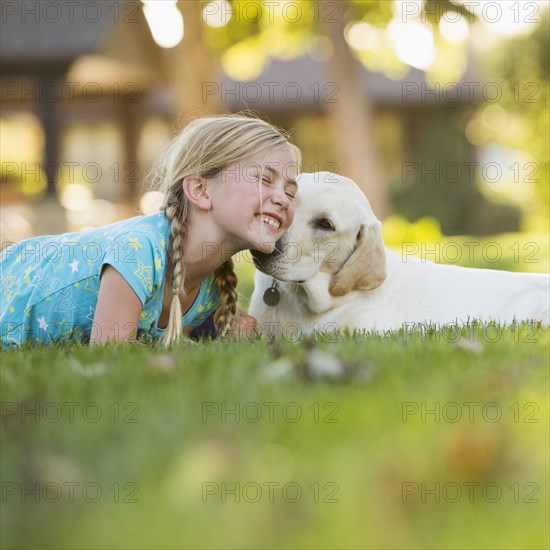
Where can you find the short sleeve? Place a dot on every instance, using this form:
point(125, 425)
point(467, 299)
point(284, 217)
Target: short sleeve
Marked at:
point(139, 259)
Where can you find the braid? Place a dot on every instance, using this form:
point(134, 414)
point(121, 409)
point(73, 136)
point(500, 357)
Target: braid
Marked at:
point(175, 211)
point(226, 280)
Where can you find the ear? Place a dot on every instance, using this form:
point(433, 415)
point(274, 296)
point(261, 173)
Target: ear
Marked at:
point(365, 269)
point(196, 191)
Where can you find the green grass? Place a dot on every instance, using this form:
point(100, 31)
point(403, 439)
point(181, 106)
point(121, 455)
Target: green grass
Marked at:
point(164, 438)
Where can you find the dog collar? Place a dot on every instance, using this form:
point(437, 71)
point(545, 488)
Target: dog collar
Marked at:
point(271, 295)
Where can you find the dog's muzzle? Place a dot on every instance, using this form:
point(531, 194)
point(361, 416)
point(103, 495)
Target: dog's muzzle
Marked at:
point(262, 260)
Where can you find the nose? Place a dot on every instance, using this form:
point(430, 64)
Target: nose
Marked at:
point(280, 198)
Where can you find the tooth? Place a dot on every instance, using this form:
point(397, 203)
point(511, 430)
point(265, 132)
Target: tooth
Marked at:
point(274, 223)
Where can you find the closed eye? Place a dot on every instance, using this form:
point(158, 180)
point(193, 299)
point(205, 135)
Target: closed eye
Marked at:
point(324, 224)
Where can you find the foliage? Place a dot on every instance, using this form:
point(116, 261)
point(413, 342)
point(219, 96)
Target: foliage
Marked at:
point(521, 119)
point(443, 134)
point(362, 460)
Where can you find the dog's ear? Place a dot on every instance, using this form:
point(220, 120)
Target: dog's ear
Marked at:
point(365, 269)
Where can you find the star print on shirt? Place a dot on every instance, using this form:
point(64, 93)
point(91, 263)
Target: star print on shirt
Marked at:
point(63, 328)
point(58, 265)
point(65, 301)
point(7, 286)
point(144, 273)
point(74, 266)
point(42, 323)
point(91, 287)
point(27, 279)
point(91, 252)
point(91, 314)
point(134, 242)
point(48, 284)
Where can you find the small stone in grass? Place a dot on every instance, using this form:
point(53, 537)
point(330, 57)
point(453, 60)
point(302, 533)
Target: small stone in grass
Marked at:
point(281, 368)
point(95, 369)
point(471, 347)
point(315, 364)
point(323, 365)
point(164, 363)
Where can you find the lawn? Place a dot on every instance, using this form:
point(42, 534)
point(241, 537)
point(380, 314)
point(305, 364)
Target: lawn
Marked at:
point(408, 441)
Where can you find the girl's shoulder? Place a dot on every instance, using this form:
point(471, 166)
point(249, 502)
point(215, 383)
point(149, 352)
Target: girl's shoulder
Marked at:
point(155, 225)
point(152, 228)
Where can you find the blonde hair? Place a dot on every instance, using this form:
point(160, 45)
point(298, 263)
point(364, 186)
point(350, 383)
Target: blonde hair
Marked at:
point(204, 148)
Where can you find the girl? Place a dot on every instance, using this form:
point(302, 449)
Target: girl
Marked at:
point(228, 184)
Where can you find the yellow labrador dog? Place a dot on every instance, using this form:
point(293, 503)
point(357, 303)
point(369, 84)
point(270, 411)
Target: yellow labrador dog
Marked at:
point(331, 271)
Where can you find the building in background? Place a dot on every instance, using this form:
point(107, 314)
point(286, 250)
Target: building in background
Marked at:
point(89, 100)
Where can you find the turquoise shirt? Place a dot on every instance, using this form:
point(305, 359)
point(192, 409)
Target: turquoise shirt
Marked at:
point(50, 284)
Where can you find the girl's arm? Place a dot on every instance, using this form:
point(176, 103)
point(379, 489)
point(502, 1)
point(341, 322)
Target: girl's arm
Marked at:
point(117, 311)
point(244, 325)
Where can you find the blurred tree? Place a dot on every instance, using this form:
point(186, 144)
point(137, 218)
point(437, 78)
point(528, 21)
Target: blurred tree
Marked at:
point(522, 63)
point(242, 36)
point(351, 116)
point(253, 33)
point(190, 64)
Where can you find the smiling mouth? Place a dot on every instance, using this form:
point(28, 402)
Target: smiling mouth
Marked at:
point(268, 220)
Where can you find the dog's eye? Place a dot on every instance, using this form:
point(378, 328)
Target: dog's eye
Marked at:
point(325, 224)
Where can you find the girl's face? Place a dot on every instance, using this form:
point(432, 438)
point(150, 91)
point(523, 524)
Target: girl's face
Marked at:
point(253, 200)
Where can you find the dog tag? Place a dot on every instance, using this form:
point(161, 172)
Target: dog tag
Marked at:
point(271, 296)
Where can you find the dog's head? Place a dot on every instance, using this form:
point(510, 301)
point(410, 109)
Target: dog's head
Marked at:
point(335, 232)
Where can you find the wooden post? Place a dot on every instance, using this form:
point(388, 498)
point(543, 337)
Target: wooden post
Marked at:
point(49, 115)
